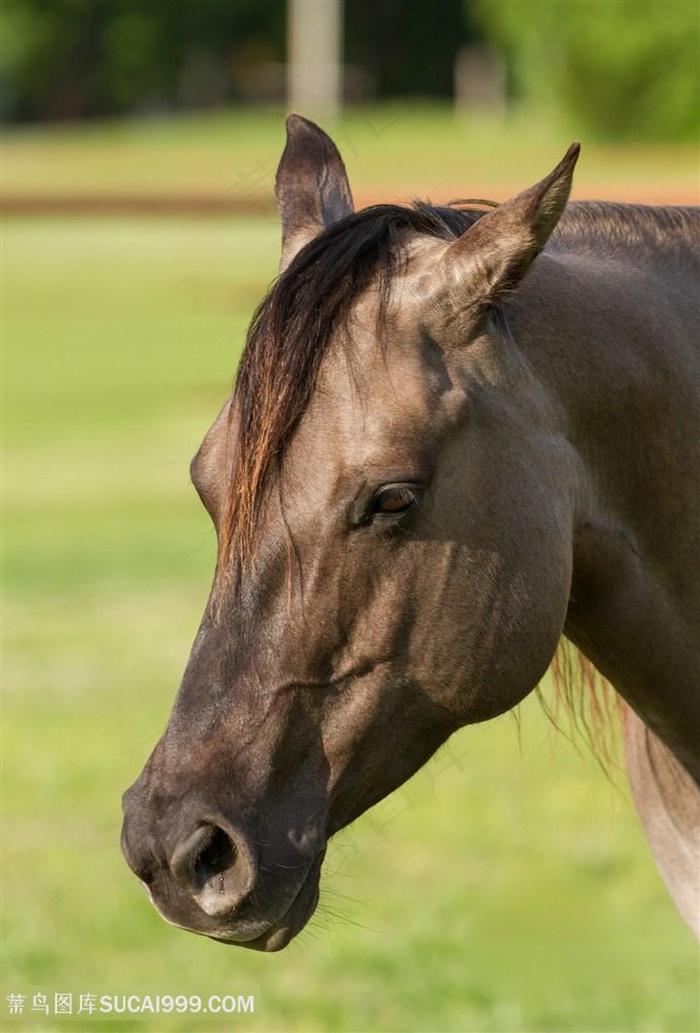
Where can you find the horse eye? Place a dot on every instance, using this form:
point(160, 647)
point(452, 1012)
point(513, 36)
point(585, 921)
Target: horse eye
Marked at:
point(394, 499)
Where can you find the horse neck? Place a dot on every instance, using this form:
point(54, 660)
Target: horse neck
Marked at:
point(612, 343)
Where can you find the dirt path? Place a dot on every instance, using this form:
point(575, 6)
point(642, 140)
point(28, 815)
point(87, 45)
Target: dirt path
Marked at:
point(202, 205)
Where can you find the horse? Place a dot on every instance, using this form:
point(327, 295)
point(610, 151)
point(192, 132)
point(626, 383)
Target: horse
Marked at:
point(458, 436)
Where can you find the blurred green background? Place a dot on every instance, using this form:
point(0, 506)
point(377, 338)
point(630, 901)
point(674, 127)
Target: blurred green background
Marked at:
point(621, 69)
point(508, 887)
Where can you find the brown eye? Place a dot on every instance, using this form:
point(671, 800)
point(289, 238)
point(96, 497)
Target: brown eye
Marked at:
point(394, 499)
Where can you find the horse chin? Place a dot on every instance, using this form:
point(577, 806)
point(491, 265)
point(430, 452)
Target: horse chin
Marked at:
point(281, 932)
point(275, 937)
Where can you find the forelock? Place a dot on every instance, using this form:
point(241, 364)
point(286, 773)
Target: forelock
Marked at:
point(307, 307)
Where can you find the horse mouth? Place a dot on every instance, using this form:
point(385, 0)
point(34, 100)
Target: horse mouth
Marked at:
point(284, 929)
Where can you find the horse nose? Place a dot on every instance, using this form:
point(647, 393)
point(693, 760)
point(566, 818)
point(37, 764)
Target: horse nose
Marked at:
point(215, 866)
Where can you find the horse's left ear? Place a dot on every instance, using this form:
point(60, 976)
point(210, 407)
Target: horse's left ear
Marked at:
point(311, 187)
point(494, 255)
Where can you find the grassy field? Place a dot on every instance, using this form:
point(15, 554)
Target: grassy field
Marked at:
point(507, 888)
point(393, 153)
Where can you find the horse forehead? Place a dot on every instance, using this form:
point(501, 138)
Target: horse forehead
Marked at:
point(380, 354)
point(378, 374)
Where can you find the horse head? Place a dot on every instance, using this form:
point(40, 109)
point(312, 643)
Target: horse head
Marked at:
point(394, 501)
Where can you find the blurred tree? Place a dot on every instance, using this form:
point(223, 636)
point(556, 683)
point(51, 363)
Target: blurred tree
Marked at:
point(622, 69)
point(408, 48)
point(83, 58)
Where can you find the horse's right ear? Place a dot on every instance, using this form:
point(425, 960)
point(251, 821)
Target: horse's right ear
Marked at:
point(311, 187)
point(490, 259)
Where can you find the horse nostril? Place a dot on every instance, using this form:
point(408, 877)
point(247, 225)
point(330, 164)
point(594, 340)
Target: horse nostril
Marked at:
point(215, 855)
point(213, 868)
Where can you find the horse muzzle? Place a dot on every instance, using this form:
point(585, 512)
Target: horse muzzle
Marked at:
point(208, 877)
